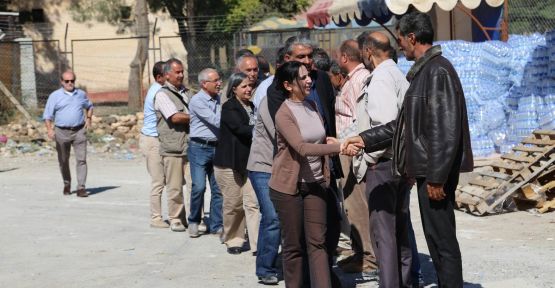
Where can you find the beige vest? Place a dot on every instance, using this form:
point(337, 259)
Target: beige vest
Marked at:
point(173, 137)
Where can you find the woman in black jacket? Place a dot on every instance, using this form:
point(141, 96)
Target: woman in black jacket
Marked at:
point(240, 206)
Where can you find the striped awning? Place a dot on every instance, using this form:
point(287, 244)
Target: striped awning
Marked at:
point(401, 6)
point(322, 12)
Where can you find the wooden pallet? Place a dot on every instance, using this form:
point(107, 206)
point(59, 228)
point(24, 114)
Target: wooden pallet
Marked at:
point(510, 182)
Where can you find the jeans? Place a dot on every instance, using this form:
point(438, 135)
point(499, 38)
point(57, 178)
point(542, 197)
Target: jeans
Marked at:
point(200, 159)
point(269, 232)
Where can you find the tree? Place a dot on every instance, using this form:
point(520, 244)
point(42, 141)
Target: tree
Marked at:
point(110, 11)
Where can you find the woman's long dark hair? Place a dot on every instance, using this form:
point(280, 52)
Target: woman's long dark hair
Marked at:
point(234, 80)
point(289, 72)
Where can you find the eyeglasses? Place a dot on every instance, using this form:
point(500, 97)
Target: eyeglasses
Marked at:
point(69, 81)
point(214, 81)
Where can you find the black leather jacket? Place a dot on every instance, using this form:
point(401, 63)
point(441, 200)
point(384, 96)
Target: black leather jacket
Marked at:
point(431, 132)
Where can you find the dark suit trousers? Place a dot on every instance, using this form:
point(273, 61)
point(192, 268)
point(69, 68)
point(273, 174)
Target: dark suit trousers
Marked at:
point(388, 207)
point(303, 220)
point(438, 222)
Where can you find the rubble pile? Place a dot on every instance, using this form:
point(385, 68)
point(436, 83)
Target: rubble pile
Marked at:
point(117, 134)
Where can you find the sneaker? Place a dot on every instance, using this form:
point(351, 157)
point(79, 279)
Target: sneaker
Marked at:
point(159, 223)
point(177, 227)
point(269, 280)
point(193, 230)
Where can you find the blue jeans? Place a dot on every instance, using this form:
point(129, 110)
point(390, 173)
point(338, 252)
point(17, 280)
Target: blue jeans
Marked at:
point(269, 232)
point(200, 161)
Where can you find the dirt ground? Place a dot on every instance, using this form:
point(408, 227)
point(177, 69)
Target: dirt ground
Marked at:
point(51, 240)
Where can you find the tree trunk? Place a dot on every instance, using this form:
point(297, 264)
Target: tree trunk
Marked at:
point(135, 90)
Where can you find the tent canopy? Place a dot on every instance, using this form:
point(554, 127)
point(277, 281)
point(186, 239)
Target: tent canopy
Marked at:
point(364, 11)
point(343, 11)
point(401, 6)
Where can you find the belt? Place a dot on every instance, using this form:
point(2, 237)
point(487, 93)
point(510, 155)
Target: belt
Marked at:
point(74, 128)
point(204, 141)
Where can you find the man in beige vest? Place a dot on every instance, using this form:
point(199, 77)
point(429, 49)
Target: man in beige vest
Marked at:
point(172, 114)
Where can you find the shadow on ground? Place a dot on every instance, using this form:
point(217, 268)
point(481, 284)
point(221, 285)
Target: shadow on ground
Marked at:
point(97, 190)
point(8, 169)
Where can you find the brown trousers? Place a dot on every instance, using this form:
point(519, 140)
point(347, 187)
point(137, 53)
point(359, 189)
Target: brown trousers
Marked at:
point(65, 138)
point(303, 221)
point(356, 208)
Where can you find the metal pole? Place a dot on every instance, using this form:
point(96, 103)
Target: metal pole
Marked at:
point(65, 38)
point(505, 22)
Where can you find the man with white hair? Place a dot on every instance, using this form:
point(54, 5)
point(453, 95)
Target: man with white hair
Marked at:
point(205, 125)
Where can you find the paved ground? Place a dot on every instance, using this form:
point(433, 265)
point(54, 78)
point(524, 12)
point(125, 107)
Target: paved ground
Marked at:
point(48, 240)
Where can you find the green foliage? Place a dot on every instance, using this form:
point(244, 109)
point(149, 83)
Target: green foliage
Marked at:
point(109, 11)
point(244, 13)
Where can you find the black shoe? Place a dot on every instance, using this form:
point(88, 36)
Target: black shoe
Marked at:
point(234, 250)
point(269, 280)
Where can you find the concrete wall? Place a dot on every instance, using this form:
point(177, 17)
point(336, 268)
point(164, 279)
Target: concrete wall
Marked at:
point(102, 66)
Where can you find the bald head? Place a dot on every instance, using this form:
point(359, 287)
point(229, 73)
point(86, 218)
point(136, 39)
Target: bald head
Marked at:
point(249, 65)
point(380, 37)
point(380, 44)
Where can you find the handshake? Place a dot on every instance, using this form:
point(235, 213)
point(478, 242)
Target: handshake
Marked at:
point(351, 146)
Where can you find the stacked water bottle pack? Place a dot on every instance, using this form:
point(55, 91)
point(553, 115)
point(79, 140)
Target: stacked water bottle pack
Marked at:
point(509, 88)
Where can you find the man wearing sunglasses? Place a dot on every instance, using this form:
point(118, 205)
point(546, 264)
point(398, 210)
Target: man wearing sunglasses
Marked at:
point(66, 123)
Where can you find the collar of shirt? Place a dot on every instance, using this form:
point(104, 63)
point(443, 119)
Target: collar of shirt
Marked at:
point(357, 68)
point(207, 96)
point(69, 93)
point(383, 65)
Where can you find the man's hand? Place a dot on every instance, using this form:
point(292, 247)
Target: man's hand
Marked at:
point(352, 145)
point(51, 134)
point(88, 123)
point(435, 191)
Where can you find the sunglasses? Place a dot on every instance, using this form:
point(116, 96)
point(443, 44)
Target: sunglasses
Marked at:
point(69, 81)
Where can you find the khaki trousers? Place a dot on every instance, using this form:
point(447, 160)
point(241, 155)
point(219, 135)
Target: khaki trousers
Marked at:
point(173, 169)
point(155, 167)
point(65, 138)
point(240, 207)
point(358, 215)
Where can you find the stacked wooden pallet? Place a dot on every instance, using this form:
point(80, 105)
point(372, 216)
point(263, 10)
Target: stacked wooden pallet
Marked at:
point(522, 179)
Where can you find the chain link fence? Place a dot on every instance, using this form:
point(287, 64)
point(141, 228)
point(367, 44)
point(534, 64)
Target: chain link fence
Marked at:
point(531, 16)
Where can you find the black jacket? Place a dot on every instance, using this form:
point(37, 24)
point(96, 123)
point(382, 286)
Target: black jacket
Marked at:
point(235, 138)
point(431, 132)
point(327, 100)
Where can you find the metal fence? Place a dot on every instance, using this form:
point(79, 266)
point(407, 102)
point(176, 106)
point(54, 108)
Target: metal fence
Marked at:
point(531, 16)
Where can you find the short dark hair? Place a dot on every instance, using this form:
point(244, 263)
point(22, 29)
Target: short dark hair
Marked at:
point(348, 48)
point(335, 69)
point(169, 63)
point(280, 56)
point(418, 23)
point(289, 72)
point(321, 59)
point(158, 69)
point(361, 38)
point(263, 65)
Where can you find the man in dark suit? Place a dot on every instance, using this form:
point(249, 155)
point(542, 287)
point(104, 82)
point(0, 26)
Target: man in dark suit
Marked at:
point(321, 92)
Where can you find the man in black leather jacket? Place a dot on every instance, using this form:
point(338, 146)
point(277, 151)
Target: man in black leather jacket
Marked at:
point(431, 141)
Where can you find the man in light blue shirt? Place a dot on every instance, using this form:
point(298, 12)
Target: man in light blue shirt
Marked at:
point(66, 123)
point(205, 111)
point(150, 147)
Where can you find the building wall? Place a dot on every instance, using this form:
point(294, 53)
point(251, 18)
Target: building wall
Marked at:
point(102, 66)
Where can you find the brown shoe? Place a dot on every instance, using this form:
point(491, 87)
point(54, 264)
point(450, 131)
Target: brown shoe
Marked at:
point(82, 193)
point(67, 190)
